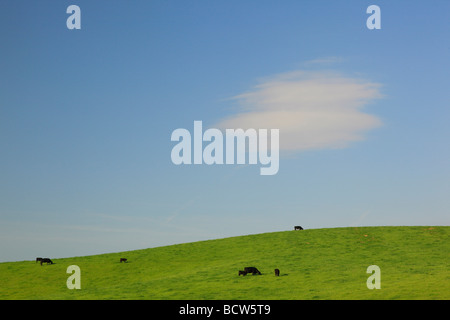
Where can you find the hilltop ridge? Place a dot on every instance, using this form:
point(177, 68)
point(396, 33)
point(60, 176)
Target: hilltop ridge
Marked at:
point(314, 264)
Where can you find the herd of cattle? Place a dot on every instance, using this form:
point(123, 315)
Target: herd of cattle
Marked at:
point(244, 272)
point(254, 270)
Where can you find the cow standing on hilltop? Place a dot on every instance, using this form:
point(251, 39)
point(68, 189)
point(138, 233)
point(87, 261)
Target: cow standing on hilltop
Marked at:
point(43, 260)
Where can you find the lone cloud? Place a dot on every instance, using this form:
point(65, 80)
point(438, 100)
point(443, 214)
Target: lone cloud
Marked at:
point(312, 109)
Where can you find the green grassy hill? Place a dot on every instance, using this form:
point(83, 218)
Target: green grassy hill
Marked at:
point(314, 264)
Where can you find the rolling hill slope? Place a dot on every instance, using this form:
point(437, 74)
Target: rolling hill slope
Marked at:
point(314, 264)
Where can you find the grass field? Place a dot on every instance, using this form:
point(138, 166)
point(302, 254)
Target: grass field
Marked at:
point(314, 264)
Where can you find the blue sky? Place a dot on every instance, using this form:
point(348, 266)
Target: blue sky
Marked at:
point(86, 118)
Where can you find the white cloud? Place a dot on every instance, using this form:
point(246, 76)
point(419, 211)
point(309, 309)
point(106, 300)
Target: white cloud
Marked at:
point(312, 109)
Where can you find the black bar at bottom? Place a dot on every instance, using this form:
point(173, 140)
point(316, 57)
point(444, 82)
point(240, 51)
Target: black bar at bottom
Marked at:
point(216, 309)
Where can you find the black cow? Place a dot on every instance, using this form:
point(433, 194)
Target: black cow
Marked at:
point(38, 259)
point(277, 272)
point(242, 272)
point(252, 270)
point(298, 228)
point(43, 260)
point(123, 260)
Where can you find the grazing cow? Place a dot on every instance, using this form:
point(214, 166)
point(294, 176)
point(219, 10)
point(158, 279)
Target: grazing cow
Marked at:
point(43, 260)
point(38, 259)
point(277, 272)
point(252, 270)
point(123, 260)
point(298, 228)
point(242, 272)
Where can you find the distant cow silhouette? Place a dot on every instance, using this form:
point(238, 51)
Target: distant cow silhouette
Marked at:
point(298, 228)
point(277, 272)
point(38, 259)
point(242, 272)
point(123, 260)
point(46, 260)
point(252, 270)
